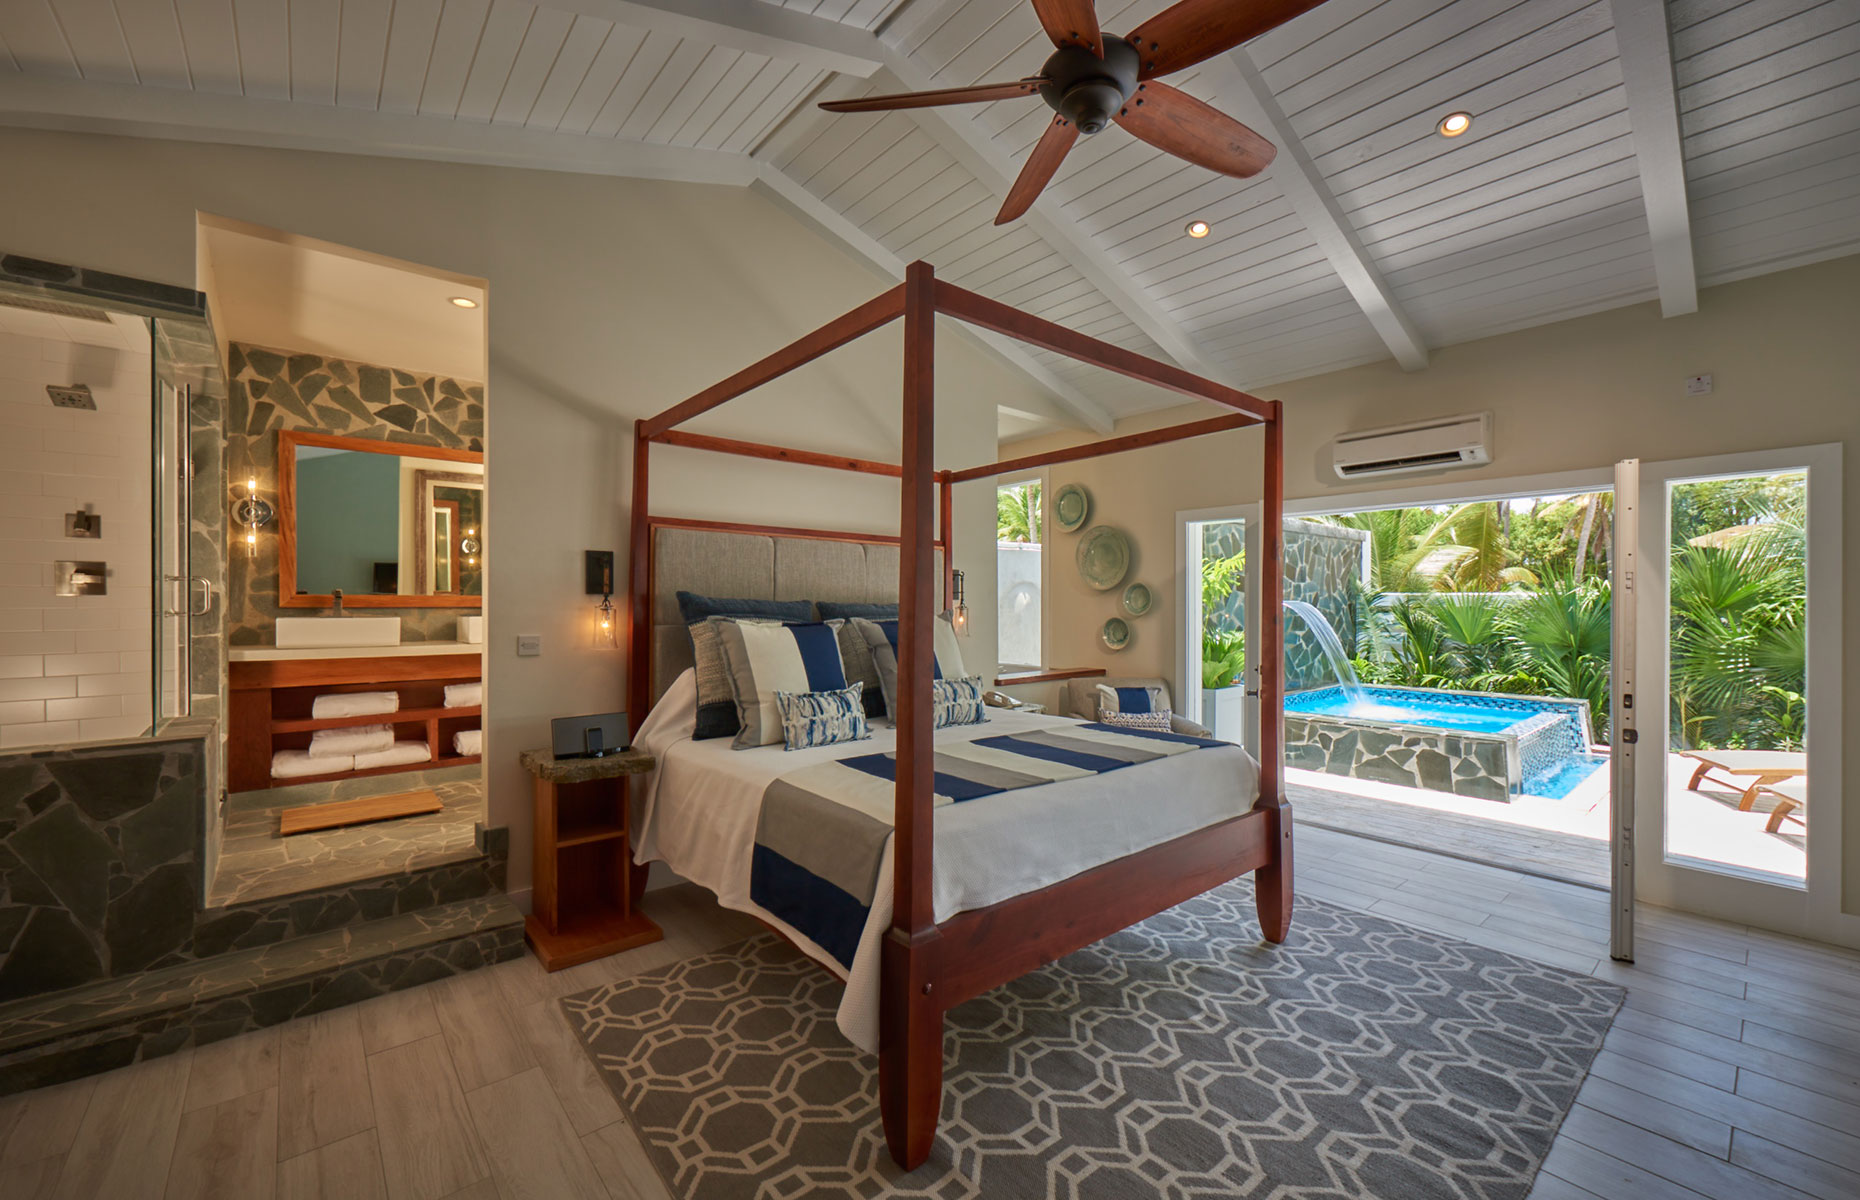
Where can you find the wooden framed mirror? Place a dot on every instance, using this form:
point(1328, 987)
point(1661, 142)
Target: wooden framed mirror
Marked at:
point(384, 521)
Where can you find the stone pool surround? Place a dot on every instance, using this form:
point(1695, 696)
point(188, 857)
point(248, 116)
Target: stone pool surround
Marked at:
point(1488, 766)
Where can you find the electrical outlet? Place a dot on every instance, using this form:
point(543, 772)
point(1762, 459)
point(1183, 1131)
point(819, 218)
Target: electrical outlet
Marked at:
point(529, 645)
point(1698, 385)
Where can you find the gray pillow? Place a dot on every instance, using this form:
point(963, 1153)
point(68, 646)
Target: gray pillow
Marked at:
point(881, 639)
point(716, 712)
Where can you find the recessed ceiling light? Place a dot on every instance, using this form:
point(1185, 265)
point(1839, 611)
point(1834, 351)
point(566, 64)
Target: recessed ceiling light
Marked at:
point(464, 302)
point(1454, 124)
point(1198, 229)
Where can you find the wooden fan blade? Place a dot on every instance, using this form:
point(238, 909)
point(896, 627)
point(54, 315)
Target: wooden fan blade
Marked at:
point(1055, 143)
point(1175, 121)
point(981, 93)
point(1183, 35)
point(1070, 23)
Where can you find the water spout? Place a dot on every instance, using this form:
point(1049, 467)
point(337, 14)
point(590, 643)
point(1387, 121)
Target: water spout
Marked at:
point(1331, 646)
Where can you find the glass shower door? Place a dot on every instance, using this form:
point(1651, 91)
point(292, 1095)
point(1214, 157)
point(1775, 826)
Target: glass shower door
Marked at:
point(178, 594)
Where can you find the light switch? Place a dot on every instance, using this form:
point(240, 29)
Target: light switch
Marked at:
point(529, 645)
point(1698, 385)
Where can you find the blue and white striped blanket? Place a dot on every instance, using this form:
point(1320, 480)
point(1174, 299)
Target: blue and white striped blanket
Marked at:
point(821, 835)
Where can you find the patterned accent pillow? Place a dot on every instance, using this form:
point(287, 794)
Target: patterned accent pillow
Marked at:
point(765, 658)
point(1130, 699)
point(958, 702)
point(822, 718)
point(716, 714)
point(1159, 721)
point(881, 637)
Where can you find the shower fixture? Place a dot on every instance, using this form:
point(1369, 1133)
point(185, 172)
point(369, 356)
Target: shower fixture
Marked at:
point(76, 396)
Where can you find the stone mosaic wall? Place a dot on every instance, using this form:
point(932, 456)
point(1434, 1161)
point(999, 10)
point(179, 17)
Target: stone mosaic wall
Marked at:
point(99, 862)
point(1323, 567)
point(270, 390)
point(1439, 760)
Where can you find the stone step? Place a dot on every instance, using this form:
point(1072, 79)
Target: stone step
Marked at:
point(277, 919)
point(63, 1035)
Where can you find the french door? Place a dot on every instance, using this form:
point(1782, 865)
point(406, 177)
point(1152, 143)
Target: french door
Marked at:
point(1737, 623)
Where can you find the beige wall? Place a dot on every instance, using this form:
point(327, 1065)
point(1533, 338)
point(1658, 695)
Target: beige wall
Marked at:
point(1784, 351)
point(609, 300)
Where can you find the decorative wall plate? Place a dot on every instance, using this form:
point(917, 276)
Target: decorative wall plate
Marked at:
point(1104, 557)
point(1071, 506)
point(1116, 634)
point(1137, 599)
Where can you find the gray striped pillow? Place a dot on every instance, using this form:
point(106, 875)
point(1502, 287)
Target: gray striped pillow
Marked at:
point(822, 718)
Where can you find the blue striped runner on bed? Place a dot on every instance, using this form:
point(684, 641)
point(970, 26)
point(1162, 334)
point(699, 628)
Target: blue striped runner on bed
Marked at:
point(821, 834)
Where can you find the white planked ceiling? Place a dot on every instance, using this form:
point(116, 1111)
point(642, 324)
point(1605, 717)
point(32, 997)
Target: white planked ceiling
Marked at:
point(1371, 235)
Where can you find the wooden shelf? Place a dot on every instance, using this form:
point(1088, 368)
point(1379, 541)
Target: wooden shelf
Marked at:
point(405, 716)
point(590, 833)
point(397, 768)
point(588, 935)
point(1052, 675)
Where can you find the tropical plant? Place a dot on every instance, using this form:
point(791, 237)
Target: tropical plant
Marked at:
point(1564, 637)
point(1017, 513)
point(1223, 658)
point(1223, 641)
point(1738, 645)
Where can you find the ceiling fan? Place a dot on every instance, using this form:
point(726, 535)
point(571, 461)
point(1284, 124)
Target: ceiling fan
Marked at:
point(1092, 80)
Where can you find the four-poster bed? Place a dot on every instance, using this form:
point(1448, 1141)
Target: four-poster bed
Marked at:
point(926, 967)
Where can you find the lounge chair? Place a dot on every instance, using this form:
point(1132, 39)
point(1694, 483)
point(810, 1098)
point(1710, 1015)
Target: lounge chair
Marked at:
point(1791, 804)
point(1750, 769)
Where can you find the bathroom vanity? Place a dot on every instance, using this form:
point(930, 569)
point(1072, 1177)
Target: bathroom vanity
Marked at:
point(271, 690)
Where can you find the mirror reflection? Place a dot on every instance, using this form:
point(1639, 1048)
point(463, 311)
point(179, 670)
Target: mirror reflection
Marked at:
point(387, 523)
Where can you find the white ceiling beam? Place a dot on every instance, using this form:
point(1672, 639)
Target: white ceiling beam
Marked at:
point(1311, 198)
point(1646, 49)
point(1066, 403)
point(125, 109)
point(752, 25)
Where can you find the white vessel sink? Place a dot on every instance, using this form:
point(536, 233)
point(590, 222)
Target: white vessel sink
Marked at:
point(298, 633)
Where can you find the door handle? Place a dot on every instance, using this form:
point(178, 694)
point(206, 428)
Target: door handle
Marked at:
point(206, 595)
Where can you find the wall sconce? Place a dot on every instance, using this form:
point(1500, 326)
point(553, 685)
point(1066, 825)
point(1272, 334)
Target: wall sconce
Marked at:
point(599, 566)
point(959, 614)
point(472, 545)
point(254, 513)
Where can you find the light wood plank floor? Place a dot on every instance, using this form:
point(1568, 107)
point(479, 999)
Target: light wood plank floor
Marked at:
point(1733, 1073)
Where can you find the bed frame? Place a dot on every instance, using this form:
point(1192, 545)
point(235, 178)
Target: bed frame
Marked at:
point(928, 967)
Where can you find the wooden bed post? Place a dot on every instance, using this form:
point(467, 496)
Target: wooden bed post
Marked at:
point(1272, 884)
point(946, 507)
point(910, 1019)
point(639, 614)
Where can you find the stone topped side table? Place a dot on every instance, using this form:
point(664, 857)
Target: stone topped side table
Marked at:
point(582, 859)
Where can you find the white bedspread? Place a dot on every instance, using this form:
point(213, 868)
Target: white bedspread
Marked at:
point(701, 805)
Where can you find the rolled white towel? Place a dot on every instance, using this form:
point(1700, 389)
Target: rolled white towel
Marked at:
point(464, 695)
point(356, 739)
point(468, 743)
point(399, 754)
point(354, 704)
point(292, 764)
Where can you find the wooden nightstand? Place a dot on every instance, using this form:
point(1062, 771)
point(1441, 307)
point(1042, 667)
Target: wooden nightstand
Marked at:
point(582, 860)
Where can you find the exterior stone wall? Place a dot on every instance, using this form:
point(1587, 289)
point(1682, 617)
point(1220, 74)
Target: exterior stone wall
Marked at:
point(1323, 567)
point(99, 862)
point(1438, 760)
point(272, 390)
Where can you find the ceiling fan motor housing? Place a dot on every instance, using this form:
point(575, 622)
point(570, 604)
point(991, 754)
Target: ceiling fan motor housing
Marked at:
point(1088, 90)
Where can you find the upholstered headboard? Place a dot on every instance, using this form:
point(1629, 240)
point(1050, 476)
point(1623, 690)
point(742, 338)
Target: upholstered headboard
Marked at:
point(757, 565)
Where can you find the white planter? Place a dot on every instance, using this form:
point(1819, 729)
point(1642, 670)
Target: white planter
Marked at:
point(1224, 711)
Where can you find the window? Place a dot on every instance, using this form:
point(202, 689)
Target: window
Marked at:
point(1017, 573)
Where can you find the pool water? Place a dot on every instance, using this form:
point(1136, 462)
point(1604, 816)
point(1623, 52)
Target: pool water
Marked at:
point(1552, 738)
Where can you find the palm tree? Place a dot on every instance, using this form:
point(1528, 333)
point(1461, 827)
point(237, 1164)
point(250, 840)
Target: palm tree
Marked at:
point(1467, 551)
point(1564, 636)
point(1017, 513)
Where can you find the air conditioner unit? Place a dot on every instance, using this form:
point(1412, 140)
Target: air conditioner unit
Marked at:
point(1435, 445)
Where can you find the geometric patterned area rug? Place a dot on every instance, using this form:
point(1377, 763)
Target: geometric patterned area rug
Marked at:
point(1183, 1057)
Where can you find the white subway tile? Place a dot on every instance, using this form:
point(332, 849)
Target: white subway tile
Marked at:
point(56, 642)
point(22, 666)
point(21, 620)
point(21, 483)
point(25, 574)
point(15, 526)
point(83, 664)
point(90, 489)
point(123, 683)
point(73, 616)
point(86, 641)
point(61, 688)
point(79, 708)
point(19, 712)
point(44, 734)
point(135, 660)
point(101, 728)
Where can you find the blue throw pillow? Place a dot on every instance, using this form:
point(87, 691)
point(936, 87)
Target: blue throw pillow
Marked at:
point(716, 711)
point(822, 718)
point(767, 657)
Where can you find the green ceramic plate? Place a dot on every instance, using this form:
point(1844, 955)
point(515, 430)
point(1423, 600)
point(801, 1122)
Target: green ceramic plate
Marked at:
point(1116, 634)
point(1104, 557)
point(1137, 599)
point(1071, 506)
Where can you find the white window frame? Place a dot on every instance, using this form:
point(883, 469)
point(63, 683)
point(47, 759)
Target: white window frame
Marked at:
point(1046, 528)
